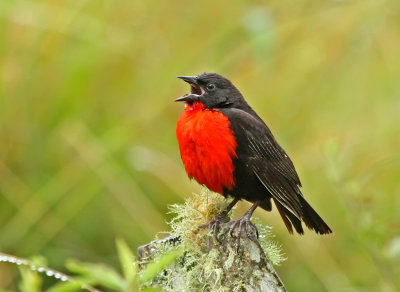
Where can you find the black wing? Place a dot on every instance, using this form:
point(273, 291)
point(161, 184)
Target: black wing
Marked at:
point(268, 160)
point(274, 169)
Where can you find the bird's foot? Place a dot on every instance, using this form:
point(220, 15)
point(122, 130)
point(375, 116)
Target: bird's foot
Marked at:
point(243, 223)
point(214, 226)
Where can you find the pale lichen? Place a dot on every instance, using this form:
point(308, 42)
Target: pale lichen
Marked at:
point(223, 267)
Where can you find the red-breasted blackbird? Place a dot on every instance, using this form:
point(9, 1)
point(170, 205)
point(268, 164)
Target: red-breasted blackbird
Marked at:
point(228, 148)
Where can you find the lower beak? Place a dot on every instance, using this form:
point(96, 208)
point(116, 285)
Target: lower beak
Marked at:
point(189, 97)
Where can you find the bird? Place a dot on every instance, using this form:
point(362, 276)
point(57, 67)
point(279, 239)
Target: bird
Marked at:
point(227, 147)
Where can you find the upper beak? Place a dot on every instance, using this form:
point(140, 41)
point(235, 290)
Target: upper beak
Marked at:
point(188, 97)
point(189, 79)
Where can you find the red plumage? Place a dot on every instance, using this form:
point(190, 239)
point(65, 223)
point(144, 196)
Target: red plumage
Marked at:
point(207, 146)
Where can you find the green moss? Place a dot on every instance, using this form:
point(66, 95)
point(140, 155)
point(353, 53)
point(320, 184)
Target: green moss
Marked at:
point(197, 210)
point(272, 249)
point(200, 269)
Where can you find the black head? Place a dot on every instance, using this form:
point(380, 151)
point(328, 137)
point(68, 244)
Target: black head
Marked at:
point(213, 90)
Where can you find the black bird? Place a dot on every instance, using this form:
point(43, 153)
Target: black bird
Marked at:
point(228, 148)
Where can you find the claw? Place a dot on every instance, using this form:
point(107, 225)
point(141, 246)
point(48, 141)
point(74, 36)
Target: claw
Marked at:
point(239, 224)
point(250, 225)
point(213, 225)
point(232, 228)
point(247, 225)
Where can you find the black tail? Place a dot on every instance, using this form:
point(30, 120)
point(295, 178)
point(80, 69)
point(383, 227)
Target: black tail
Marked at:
point(312, 220)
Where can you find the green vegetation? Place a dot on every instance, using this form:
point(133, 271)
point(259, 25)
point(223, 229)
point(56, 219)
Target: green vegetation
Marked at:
point(87, 275)
point(88, 150)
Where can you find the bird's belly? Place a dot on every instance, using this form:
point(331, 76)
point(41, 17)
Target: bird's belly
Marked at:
point(207, 145)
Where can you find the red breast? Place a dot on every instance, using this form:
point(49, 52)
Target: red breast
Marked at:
point(207, 145)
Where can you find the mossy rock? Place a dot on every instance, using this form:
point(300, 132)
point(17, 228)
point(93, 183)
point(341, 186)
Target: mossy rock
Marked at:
point(208, 264)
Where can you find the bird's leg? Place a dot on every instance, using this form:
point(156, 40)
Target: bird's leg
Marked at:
point(214, 224)
point(244, 222)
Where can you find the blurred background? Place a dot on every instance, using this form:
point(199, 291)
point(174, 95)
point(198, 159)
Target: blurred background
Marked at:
point(87, 124)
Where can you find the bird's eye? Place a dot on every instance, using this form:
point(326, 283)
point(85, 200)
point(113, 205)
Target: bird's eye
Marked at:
point(210, 86)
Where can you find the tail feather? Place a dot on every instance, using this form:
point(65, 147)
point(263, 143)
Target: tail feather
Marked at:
point(289, 219)
point(312, 220)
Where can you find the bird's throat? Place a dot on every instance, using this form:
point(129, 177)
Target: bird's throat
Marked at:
point(194, 106)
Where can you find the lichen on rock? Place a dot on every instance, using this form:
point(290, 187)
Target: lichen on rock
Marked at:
point(208, 264)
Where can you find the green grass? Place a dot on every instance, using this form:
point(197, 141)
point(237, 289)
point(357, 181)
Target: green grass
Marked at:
point(87, 122)
point(83, 276)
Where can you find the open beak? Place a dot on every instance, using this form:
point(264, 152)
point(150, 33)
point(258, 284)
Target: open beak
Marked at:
point(196, 90)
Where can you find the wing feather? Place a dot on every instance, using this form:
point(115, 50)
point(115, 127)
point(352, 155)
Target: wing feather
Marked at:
point(268, 160)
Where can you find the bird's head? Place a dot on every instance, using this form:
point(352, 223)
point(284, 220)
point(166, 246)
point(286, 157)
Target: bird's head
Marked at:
point(212, 90)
